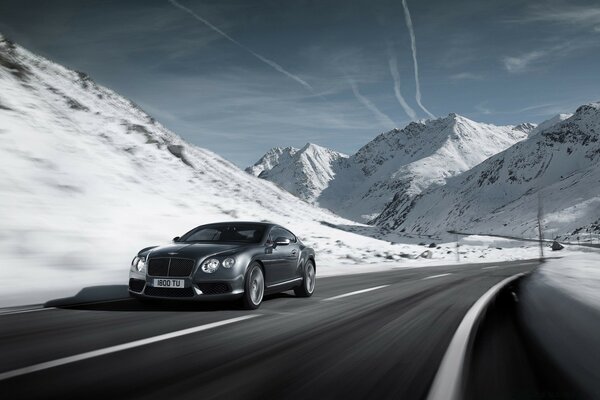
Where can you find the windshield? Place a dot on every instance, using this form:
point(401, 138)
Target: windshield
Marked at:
point(226, 233)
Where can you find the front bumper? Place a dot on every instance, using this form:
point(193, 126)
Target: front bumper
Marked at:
point(207, 288)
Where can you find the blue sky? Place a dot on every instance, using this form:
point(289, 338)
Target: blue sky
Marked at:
point(280, 73)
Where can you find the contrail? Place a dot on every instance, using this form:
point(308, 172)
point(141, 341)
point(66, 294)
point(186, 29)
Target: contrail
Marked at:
point(413, 45)
point(270, 63)
point(383, 119)
point(396, 76)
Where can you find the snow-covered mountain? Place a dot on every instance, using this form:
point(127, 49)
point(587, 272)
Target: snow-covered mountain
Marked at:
point(401, 163)
point(559, 166)
point(549, 123)
point(88, 179)
point(303, 172)
point(272, 158)
point(398, 164)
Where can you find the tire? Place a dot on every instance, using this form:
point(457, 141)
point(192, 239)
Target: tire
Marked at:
point(254, 287)
point(309, 281)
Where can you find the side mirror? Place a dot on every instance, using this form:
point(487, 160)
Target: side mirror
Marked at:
point(281, 241)
point(176, 239)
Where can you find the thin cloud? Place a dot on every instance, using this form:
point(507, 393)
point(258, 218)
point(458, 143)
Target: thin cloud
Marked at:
point(383, 119)
point(527, 60)
point(393, 63)
point(466, 76)
point(265, 60)
point(520, 63)
point(583, 16)
point(413, 45)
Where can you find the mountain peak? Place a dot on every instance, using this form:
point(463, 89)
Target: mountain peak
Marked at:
point(558, 118)
point(525, 127)
point(315, 148)
point(304, 172)
point(271, 158)
point(590, 107)
point(310, 145)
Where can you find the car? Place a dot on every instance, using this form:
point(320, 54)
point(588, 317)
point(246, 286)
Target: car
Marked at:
point(225, 261)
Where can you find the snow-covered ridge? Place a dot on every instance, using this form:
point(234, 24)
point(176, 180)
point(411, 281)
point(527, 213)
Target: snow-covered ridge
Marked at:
point(550, 123)
point(560, 166)
point(303, 172)
point(399, 163)
point(273, 157)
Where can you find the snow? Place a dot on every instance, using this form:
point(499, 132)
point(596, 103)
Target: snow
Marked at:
point(578, 275)
point(396, 164)
point(558, 168)
point(88, 179)
point(303, 172)
point(272, 158)
point(549, 123)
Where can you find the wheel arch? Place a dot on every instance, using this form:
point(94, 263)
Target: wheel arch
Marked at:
point(311, 257)
point(259, 262)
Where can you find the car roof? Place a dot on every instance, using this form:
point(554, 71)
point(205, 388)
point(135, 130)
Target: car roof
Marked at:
point(242, 223)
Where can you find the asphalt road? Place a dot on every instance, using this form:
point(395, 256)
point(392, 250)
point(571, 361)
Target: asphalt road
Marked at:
point(383, 343)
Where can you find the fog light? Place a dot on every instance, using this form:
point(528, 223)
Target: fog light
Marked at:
point(228, 262)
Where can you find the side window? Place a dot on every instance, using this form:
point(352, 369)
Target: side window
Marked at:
point(280, 232)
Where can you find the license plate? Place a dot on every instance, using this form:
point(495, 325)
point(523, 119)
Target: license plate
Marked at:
point(169, 283)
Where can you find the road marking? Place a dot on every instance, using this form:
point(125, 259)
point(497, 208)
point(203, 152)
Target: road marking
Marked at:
point(120, 347)
point(357, 292)
point(27, 310)
point(447, 384)
point(436, 276)
point(492, 267)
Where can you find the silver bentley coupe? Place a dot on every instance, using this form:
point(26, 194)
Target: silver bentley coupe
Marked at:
point(225, 261)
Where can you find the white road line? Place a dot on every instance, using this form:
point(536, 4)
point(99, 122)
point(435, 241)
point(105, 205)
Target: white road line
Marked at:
point(27, 311)
point(357, 292)
point(447, 384)
point(120, 347)
point(436, 276)
point(492, 267)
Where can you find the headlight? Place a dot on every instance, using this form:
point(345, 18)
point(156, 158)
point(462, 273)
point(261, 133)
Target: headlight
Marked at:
point(228, 262)
point(141, 264)
point(138, 264)
point(211, 265)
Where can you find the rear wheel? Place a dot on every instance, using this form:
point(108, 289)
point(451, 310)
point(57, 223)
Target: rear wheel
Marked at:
point(254, 287)
point(308, 281)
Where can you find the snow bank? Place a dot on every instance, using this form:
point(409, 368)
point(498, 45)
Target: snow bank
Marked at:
point(577, 274)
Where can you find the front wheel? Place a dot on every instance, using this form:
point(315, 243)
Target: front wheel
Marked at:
point(254, 287)
point(308, 281)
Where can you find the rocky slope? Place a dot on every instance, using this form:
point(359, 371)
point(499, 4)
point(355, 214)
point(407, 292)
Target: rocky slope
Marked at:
point(557, 167)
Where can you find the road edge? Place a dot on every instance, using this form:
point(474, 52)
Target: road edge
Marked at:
point(448, 381)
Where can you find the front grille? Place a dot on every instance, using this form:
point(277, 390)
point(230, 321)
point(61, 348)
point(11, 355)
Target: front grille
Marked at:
point(168, 292)
point(181, 267)
point(214, 288)
point(177, 267)
point(136, 285)
point(158, 266)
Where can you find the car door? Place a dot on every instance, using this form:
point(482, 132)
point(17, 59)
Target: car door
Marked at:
point(274, 261)
point(291, 253)
point(280, 261)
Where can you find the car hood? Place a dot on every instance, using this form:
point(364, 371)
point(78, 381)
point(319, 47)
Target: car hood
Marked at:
point(193, 250)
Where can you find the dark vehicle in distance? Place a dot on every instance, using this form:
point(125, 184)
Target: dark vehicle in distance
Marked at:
point(225, 261)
